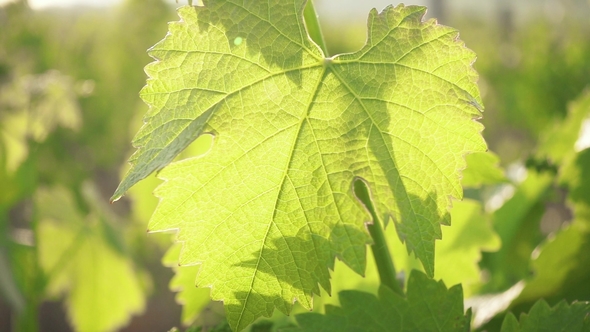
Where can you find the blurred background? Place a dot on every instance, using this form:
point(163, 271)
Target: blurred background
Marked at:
point(70, 73)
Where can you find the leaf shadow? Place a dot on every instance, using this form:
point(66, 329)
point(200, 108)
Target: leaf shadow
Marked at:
point(293, 270)
point(404, 112)
point(252, 32)
point(294, 263)
point(296, 271)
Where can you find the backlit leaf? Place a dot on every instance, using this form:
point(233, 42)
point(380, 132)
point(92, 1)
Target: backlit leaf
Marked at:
point(270, 206)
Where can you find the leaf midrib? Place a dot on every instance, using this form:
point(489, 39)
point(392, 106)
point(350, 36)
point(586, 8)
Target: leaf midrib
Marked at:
point(280, 186)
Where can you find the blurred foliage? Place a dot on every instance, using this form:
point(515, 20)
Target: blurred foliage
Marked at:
point(69, 82)
point(68, 96)
point(529, 72)
point(88, 261)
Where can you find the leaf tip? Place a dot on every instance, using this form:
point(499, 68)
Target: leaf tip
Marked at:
point(119, 192)
point(115, 198)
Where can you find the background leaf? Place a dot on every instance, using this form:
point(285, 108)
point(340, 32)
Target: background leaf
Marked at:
point(193, 299)
point(482, 169)
point(561, 267)
point(103, 288)
point(562, 317)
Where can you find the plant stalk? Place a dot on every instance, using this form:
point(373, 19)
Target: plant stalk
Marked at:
point(385, 267)
point(313, 26)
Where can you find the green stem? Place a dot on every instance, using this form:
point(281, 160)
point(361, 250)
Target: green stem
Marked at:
point(380, 250)
point(313, 26)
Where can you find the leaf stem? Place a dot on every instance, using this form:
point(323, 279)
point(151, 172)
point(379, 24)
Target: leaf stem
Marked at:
point(385, 267)
point(313, 26)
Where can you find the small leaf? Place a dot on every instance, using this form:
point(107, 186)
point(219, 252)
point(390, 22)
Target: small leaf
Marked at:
point(541, 317)
point(193, 299)
point(34, 106)
point(559, 143)
point(429, 306)
point(459, 252)
point(482, 169)
point(562, 265)
point(103, 288)
point(575, 174)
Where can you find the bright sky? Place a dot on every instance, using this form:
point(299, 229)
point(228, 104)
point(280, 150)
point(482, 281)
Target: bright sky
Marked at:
point(349, 10)
point(350, 5)
point(40, 4)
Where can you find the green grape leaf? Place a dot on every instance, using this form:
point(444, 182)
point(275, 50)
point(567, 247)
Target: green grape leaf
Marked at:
point(33, 107)
point(460, 248)
point(103, 288)
point(459, 252)
point(562, 266)
point(575, 174)
point(541, 318)
point(517, 224)
point(193, 299)
point(270, 206)
point(560, 142)
point(482, 169)
point(519, 217)
point(428, 306)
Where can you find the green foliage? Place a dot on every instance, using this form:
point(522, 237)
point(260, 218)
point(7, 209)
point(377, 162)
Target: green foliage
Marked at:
point(562, 317)
point(33, 107)
point(531, 72)
point(460, 248)
point(193, 299)
point(554, 268)
point(283, 118)
point(561, 267)
point(525, 207)
point(59, 83)
point(428, 306)
point(84, 262)
point(68, 105)
point(482, 169)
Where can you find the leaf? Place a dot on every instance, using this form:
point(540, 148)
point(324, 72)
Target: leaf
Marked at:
point(562, 317)
point(482, 169)
point(269, 207)
point(576, 175)
point(33, 107)
point(459, 253)
point(517, 221)
point(429, 306)
point(517, 224)
point(103, 289)
point(141, 195)
point(562, 265)
point(559, 143)
point(193, 299)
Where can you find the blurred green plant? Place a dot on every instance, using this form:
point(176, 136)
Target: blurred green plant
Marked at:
point(63, 77)
point(68, 107)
